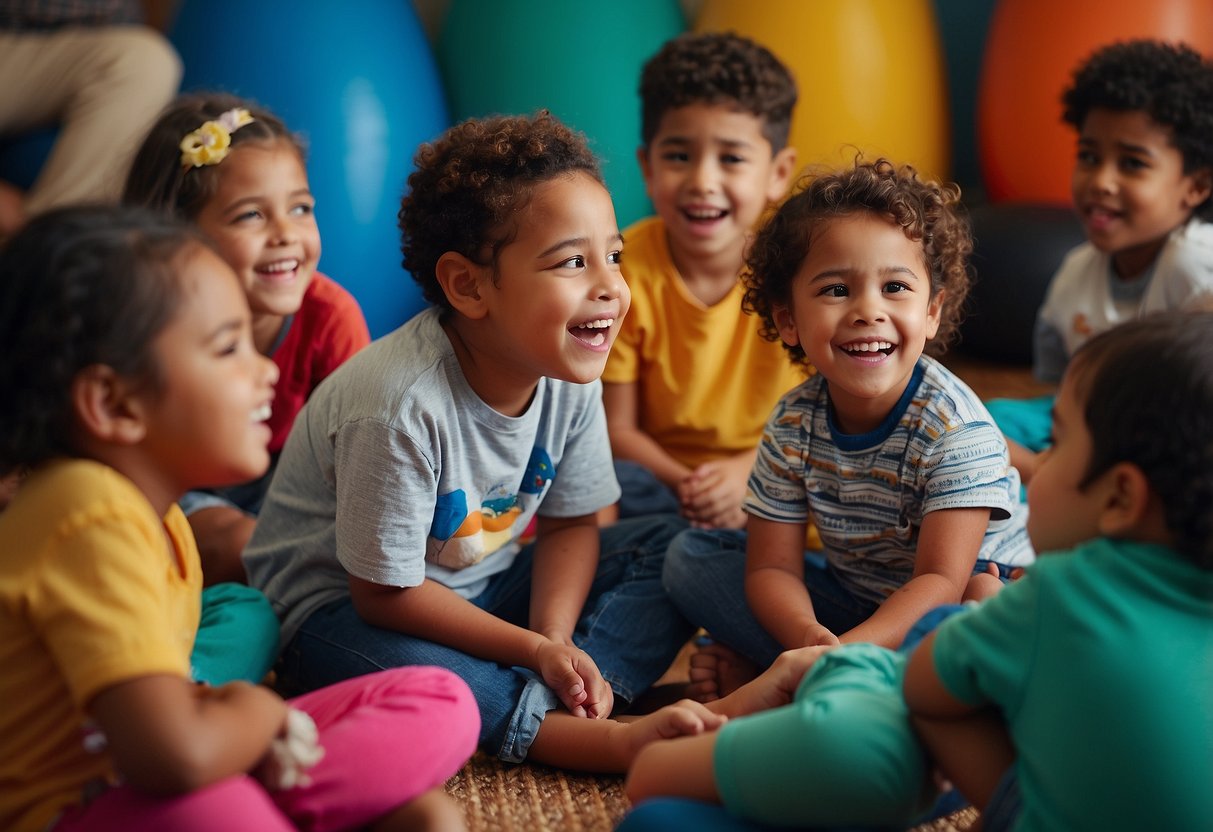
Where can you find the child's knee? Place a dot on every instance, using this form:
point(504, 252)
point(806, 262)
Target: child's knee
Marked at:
point(445, 690)
point(693, 551)
point(146, 58)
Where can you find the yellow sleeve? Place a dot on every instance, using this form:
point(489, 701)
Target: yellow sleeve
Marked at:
point(104, 606)
point(644, 258)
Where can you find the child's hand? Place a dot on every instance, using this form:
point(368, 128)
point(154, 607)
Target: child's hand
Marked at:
point(818, 634)
point(776, 685)
point(685, 718)
point(572, 674)
point(712, 494)
point(291, 753)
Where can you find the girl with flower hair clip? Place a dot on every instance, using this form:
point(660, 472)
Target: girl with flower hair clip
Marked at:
point(235, 171)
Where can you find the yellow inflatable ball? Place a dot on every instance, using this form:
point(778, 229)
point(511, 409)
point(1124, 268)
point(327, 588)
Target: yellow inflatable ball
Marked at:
point(870, 72)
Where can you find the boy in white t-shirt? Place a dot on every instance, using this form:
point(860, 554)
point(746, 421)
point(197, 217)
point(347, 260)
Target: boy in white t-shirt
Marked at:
point(1142, 176)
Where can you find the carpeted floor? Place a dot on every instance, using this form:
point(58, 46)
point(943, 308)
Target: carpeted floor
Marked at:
point(530, 798)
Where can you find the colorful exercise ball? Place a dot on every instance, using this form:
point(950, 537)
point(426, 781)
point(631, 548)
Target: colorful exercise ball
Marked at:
point(361, 87)
point(870, 73)
point(581, 61)
point(1034, 46)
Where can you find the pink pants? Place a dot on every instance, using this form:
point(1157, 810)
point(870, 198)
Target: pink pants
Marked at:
point(388, 737)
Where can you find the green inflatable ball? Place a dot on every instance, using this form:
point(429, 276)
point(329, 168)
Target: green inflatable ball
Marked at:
point(581, 61)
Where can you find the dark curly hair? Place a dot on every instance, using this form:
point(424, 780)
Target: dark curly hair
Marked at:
point(926, 211)
point(79, 286)
point(718, 68)
point(1146, 388)
point(470, 184)
point(159, 181)
point(1171, 83)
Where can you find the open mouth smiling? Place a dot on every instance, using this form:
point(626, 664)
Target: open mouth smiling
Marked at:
point(593, 333)
point(866, 349)
point(279, 268)
point(704, 214)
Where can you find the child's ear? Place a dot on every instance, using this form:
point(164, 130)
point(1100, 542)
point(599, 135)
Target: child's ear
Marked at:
point(1202, 186)
point(646, 169)
point(934, 313)
point(460, 280)
point(107, 407)
point(786, 325)
point(783, 168)
point(1129, 508)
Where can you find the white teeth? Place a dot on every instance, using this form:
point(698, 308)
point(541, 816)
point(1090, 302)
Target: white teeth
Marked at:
point(705, 214)
point(598, 338)
point(869, 346)
point(281, 266)
point(262, 414)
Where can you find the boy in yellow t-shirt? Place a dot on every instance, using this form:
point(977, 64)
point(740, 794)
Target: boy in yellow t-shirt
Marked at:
point(690, 381)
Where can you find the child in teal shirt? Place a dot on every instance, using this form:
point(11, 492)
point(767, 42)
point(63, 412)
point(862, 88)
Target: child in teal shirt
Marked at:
point(1097, 661)
point(1049, 705)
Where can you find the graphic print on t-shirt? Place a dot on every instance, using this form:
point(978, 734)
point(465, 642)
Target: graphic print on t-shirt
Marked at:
point(462, 535)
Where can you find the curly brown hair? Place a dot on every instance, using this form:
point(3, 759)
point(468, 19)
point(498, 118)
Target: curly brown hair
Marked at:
point(470, 184)
point(718, 68)
point(159, 181)
point(927, 211)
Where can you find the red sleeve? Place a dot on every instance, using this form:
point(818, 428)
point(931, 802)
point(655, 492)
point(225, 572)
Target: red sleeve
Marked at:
point(324, 333)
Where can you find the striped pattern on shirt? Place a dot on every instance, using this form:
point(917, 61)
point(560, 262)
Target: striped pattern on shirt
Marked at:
point(937, 449)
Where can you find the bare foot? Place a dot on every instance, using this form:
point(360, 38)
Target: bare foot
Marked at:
point(986, 584)
point(717, 670)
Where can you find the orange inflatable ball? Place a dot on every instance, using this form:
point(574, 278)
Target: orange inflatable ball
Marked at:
point(1026, 151)
point(870, 73)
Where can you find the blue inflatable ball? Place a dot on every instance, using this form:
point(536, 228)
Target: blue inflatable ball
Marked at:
point(1017, 247)
point(582, 61)
point(360, 85)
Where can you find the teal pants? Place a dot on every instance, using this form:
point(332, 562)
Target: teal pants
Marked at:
point(237, 636)
point(1028, 421)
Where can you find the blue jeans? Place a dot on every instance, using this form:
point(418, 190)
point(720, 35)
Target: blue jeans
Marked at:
point(666, 814)
point(643, 494)
point(628, 627)
point(705, 578)
point(1005, 804)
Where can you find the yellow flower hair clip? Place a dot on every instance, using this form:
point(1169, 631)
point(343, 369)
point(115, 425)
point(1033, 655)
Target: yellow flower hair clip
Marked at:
point(208, 145)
